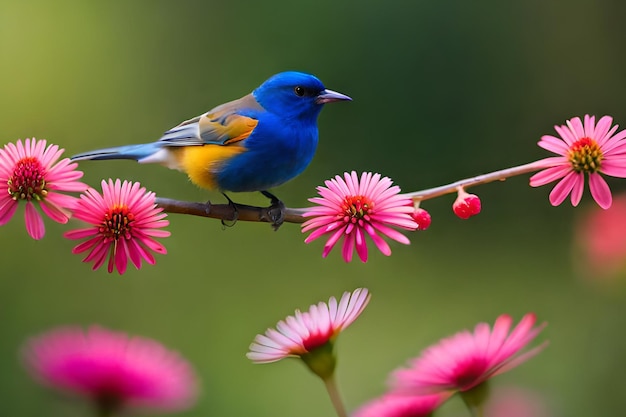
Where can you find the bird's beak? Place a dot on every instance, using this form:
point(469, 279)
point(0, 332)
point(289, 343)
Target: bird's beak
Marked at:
point(328, 96)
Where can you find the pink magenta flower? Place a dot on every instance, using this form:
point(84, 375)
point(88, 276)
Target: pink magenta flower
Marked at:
point(29, 172)
point(111, 369)
point(304, 334)
point(587, 148)
point(601, 238)
point(350, 208)
point(390, 405)
point(465, 360)
point(124, 219)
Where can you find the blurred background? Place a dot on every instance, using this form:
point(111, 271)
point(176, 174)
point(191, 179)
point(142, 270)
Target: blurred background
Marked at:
point(442, 91)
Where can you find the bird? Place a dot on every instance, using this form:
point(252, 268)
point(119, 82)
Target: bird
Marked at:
point(253, 143)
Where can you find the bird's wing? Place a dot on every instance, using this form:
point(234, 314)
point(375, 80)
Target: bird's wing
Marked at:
point(223, 125)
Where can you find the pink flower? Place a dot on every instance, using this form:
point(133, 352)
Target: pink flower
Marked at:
point(601, 237)
point(111, 369)
point(125, 220)
point(516, 402)
point(587, 148)
point(465, 360)
point(30, 172)
point(391, 405)
point(305, 333)
point(350, 208)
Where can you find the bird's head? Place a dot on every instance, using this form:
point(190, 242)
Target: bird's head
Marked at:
point(295, 94)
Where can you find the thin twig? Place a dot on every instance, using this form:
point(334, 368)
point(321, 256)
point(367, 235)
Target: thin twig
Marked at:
point(500, 175)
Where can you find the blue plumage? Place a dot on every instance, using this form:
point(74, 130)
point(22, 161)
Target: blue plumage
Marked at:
point(250, 144)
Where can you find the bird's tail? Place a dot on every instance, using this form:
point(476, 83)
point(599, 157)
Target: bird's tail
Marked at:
point(140, 153)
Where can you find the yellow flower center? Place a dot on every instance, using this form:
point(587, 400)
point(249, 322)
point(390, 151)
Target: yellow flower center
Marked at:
point(28, 180)
point(585, 155)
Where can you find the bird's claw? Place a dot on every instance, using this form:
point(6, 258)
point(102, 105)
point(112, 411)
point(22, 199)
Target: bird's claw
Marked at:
point(276, 210)
point(276, 213)
point(233, 220)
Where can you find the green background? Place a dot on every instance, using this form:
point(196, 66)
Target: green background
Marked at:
point(442, 90)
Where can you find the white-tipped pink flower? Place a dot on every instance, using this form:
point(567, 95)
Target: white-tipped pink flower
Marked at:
point(305, 333)
point(585, 149)
point(29, 172)
point(112, 370)
point(390, 405)
point(125, 220)
point(350, 208)
point(465, 360)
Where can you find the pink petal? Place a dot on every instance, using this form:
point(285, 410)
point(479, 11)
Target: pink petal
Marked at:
point(552, 144)
point(550, 174)
point(360, 244)
point(562, 189)
point(34, 222)
point(54, 212)
point(380, 243)
point(614, 167)
point(600, 190)
point(121, 258)
point(577, 190)
point(347, 248)
point(7, 210)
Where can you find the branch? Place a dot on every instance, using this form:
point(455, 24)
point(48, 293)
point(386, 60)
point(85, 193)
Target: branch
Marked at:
point(500, 175)
point(242, 212)
point(230, 212)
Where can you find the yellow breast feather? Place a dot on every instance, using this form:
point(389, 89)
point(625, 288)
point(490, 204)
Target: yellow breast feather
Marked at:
point(201, 162)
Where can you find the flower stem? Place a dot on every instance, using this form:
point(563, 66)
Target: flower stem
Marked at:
point(475, 398)
point(500, 175)
point(475, 411)
point(335, 398)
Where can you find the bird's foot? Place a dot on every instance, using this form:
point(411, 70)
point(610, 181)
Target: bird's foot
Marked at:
point(276, 210)
point(231, 222)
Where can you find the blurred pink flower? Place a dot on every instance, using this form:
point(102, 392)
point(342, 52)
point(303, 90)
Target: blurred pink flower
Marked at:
point(304, 333)
point(112, 370)
point(125, 220)
point(587, 148)
point(516, 402)
point(29, 171)
point(465, 360)
point(390, 405)
point(350, 208)
point(601, 237)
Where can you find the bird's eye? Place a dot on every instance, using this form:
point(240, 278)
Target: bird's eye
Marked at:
point(300, 91)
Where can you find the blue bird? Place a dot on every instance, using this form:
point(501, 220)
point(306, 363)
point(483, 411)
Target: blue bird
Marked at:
point(253, 143)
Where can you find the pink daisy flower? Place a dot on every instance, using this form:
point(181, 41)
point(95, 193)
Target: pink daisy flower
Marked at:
point(31, 171)
point(305, 333)
point(112, 370)
point(124, 219)
point(350, 208)
point(390, 405)
point(584, 148)
point(601, 238)
point(465, 360)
